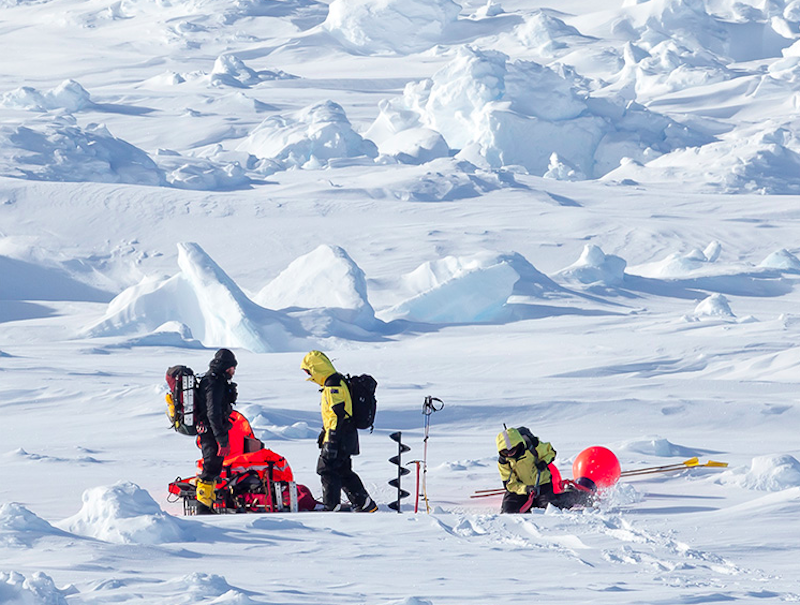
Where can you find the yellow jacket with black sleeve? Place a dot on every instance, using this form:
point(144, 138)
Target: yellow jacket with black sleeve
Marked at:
point(519, 454)
point(336, 404)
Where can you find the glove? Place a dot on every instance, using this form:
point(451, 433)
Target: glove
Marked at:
point(531, 489)
point(233, 393)
point(330, 450)
point(541, 465)
point(223, 451)
point(321, 438)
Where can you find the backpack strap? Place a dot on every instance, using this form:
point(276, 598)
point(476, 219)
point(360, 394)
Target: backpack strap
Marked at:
point(334, 380)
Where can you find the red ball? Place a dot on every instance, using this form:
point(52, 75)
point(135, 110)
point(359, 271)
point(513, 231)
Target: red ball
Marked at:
point(597, 464)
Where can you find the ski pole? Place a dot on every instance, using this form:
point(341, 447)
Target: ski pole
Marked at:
point(489, 495)
point(709, 464)
point(428, 408)
point(685, 463)
point(487, 491)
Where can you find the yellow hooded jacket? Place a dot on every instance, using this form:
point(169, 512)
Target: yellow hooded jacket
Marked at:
point(336, 404)
point(520, 473)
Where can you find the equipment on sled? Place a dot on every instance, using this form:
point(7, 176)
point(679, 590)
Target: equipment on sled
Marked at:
point(254, 479)
point(259, 482)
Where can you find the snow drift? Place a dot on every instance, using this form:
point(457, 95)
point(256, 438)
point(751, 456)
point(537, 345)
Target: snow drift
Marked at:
point(766, 473)
point(39, 589)
point(324, 278)
point(69, 96)
point(594, 267)
point(470, 289)
point(309, 138)
point(19, 527)
point(60, 150)
point(205, 299)
point(504, 112)
point(390, 26)
point(125, 514)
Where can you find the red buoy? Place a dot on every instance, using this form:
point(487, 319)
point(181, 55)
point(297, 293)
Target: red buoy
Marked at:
point(596, 467)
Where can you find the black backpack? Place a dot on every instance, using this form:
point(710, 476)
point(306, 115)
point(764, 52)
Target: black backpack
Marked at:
point(183, 391)
point(531, 440)
point(362, 392)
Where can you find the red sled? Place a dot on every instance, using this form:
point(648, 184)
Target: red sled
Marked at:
point(254, 479)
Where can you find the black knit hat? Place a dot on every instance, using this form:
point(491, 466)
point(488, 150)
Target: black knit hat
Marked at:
point(223, 359)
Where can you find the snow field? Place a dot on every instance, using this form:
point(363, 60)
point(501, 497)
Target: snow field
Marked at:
point(579, 217)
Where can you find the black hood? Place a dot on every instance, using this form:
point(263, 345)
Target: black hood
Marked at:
point(223, 360)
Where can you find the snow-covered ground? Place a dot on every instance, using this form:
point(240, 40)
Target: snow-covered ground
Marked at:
point(580, 217)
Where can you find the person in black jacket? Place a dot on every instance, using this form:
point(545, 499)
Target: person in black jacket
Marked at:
point(217, 396)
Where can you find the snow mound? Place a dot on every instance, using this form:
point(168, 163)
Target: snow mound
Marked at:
point(715, 306)
point(764, 162)
point(390, 26)
point(170, 334)
point(309, 138)
point(69, 96)
point(39, 589)
point(59, 150)
point(456, 290)
point(230, 70)
point(20, 527)
point(409, 601)
point(199, 587)
point(594, 267)
point(202, 174)
point(125, 514)
point(203, 298)
point(652, 70)
point(441, 180)
point(658, 446)
point(500, 112)
point(766, 473)
point(270, 432)
point(677, 265)
point(734, 31)
point(414, 146)
point(548, 35)
point(782, 260)
point(324, 278)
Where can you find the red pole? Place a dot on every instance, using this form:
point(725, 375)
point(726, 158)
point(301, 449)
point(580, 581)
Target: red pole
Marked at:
point(416, 502)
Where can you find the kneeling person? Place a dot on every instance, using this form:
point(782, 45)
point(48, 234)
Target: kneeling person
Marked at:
point(524, 465)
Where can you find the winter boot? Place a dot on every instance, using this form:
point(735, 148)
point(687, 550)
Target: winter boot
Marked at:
point(369, 506)
point(205, 498)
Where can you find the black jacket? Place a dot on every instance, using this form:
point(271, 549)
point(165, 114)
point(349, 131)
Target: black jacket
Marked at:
point(217, 396)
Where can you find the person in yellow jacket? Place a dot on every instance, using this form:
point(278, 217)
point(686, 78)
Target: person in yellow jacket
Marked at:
point(524, 463)
point(338, 440)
